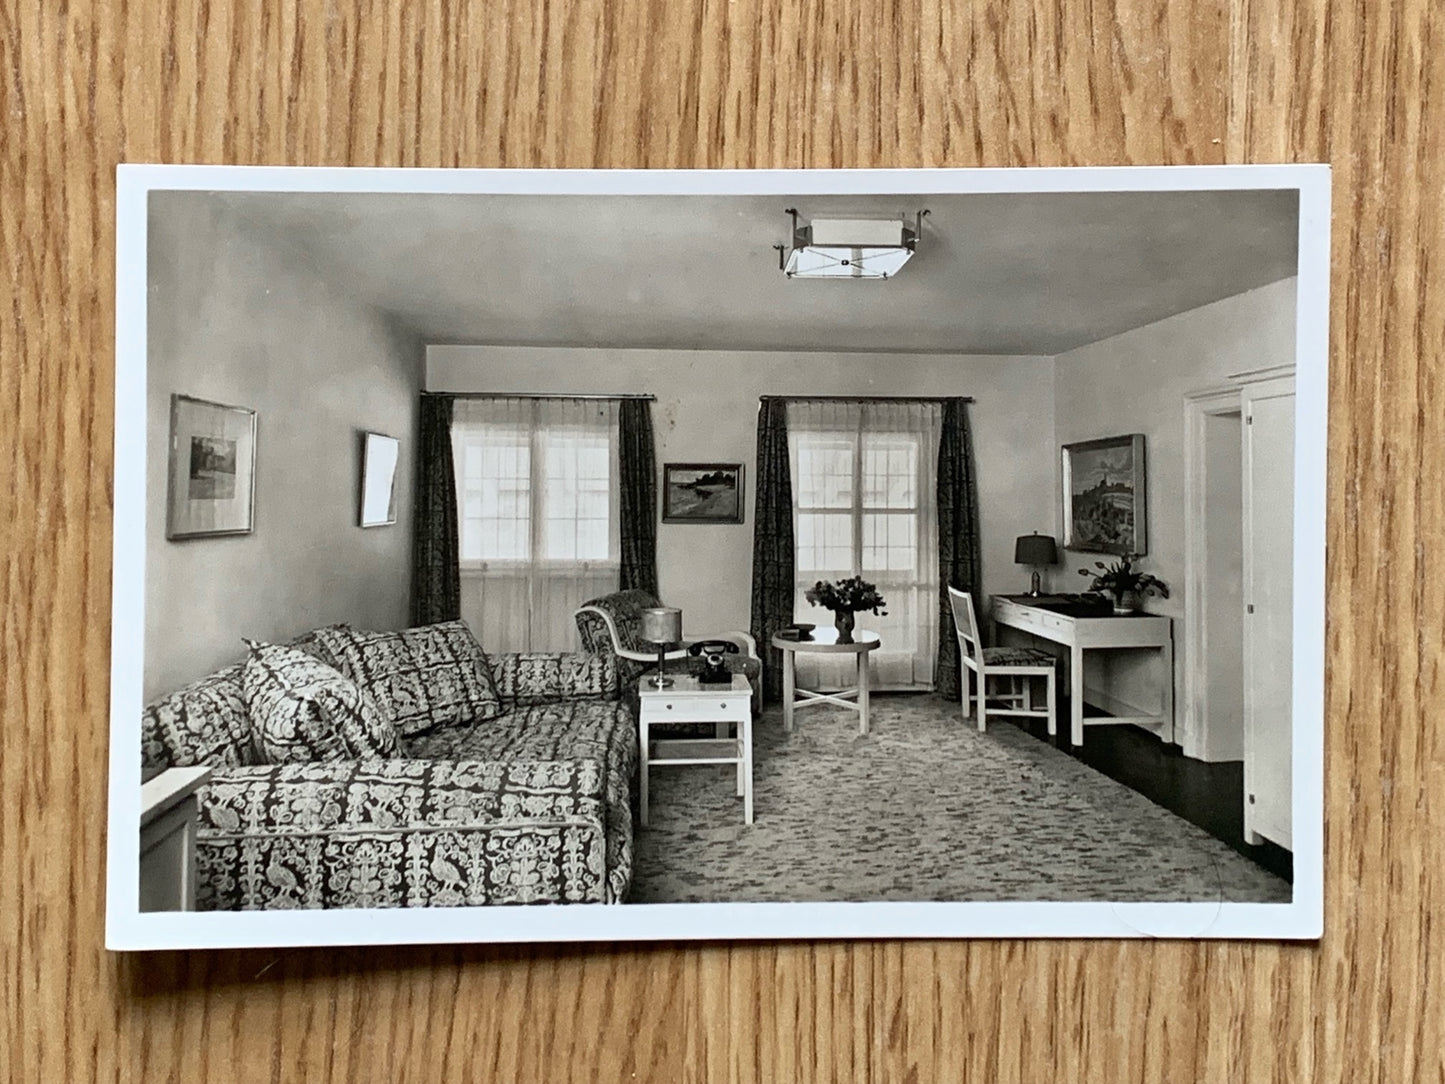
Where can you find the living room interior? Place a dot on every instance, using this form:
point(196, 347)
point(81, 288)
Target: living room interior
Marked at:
point(518, 357)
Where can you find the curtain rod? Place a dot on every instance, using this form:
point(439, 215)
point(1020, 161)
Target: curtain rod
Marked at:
point(864, 398)
point(533, 395)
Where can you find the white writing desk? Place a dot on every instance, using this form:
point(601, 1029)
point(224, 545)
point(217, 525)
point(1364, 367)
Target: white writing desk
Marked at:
point(1058, 619)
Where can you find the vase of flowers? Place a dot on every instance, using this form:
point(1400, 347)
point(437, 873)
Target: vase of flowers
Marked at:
point(1124, 583)
point(846, 599)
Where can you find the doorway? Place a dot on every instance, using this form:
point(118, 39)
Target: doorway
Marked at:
point(1213, 715)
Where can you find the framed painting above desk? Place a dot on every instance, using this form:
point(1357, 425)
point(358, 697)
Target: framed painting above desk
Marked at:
point(1079, 625)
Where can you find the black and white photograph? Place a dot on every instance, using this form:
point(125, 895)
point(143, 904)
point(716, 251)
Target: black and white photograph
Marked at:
point(1014, 629)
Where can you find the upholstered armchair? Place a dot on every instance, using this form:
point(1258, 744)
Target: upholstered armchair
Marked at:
point(611, 625)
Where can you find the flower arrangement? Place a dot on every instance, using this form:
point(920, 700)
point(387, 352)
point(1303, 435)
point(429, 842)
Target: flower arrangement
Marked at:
point(1122, 578)
point(846, 598)
point(853, 595)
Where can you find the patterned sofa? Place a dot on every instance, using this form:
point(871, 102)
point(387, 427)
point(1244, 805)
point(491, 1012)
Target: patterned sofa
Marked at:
point(453, 779)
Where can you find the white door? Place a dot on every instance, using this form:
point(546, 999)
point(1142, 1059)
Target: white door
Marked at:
point(1268, 597)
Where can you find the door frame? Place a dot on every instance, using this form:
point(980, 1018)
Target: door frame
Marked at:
point(1192, 727)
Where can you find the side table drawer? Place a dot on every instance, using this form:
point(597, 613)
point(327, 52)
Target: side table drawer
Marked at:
point(722, 708)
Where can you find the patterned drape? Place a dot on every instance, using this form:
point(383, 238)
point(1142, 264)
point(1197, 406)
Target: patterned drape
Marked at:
point(958, 541)
point(637, 497)
point(435, 578)
point(772, 541)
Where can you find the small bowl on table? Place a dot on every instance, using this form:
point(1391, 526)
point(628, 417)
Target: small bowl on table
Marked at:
point(803, 631)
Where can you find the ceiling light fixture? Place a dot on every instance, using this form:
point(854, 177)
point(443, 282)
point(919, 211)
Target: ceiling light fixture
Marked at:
point(848, 248)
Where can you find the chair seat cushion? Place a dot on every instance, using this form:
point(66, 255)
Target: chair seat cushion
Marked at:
point(1016, 656)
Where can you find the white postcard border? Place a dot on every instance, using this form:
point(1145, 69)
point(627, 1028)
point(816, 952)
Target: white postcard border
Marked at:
point(1302, 918)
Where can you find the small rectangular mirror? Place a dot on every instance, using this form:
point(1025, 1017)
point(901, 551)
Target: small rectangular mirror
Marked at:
point(378, 479)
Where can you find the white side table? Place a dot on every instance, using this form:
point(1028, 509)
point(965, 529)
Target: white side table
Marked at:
point(168, 815)
point(690, 701)
point(825, 641)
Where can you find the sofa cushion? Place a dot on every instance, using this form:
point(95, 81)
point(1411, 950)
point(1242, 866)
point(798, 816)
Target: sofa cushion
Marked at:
point(525, 678)
point(310, 643)
point(410, 833)
point(559, 730)
point(420, 678)
point(563, 730)
point(304, 711)
point(203, 723)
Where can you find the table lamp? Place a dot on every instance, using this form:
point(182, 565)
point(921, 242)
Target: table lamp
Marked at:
point(1035, 549)
point(661, 625)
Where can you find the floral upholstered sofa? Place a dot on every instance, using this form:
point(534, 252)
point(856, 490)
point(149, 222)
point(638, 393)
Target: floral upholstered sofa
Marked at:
point(373, 769)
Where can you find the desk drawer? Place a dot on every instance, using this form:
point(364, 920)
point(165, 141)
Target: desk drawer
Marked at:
point(1053, 622)
point(1029, 619)
point(1009, 613)
point(723, 708)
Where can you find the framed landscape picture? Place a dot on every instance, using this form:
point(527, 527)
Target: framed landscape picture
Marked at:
point(212, 469)
point(702, 493)
point(1104, 496)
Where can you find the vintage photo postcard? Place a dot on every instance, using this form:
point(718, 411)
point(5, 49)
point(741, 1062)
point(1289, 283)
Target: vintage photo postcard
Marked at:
point(665, 555)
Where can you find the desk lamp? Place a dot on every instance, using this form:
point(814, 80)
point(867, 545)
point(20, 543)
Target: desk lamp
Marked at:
point(661, 625)
point(1035, 549)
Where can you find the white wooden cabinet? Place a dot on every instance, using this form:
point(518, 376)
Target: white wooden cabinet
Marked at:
point(168, 839)
point(1268, 405)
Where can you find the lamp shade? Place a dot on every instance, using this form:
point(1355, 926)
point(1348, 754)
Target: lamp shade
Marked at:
point(1036, 549)
point(661, 625)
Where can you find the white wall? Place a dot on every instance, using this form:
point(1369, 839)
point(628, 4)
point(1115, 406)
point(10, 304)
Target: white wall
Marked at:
point(239, 321)
point(1135, 383)
point(706, 411)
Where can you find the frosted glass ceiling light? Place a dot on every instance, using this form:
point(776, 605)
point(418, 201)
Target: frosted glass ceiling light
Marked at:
point(848, 248)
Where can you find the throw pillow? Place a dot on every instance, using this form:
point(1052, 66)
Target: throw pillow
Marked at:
point(304, 711)
point(203, 723)
point(309, 643)
point(422, 678)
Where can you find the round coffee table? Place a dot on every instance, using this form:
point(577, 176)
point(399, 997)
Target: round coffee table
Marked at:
point(825, 641)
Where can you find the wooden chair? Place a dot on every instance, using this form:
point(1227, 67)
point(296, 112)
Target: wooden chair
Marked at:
point(1018, 665)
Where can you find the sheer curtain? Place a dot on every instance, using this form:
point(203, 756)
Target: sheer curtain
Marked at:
point(537, 501)
point(864, 482)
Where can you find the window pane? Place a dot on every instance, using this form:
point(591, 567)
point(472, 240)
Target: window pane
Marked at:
point(890, 472)
point(825, 472)
point(889, 542)
point(495, 513)
point(825, 542)
point(576, 496)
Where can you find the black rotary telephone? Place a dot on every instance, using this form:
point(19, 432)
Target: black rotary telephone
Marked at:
point(713, 671)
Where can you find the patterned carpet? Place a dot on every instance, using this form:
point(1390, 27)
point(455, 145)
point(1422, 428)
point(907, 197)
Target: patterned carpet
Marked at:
point(923, 808)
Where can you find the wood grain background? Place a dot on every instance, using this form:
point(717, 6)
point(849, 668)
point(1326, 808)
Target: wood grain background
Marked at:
point(688, 83)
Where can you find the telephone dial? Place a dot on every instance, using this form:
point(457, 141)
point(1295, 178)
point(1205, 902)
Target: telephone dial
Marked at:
point(713, 671)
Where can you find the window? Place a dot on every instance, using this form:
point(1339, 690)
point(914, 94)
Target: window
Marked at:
point(568, 496)
point(537, 516)
point(864, 501)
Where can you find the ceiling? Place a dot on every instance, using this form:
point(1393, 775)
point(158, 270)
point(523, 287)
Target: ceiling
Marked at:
point(994, 273)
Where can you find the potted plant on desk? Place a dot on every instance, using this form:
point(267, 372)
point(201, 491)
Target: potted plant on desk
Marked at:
point(1124, 583)
point(846, 598)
